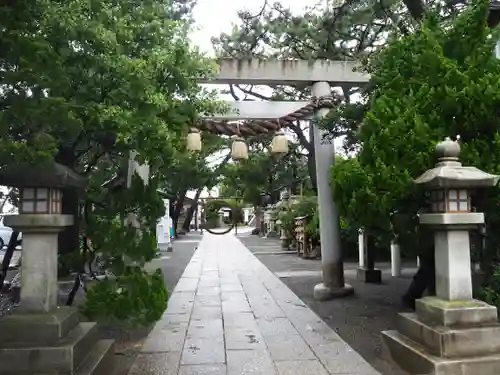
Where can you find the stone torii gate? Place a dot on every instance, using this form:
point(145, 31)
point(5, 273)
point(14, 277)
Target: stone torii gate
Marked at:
point(267, 117)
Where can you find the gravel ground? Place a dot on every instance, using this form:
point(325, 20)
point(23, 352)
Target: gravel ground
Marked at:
point(358, 319)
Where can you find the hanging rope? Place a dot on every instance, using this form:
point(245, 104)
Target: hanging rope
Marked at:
point(255, 127)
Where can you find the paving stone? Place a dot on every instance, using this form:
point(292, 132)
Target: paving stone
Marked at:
point(206, 350)
point(233, 296)
point(179, 307)
point(243, 339)
point(166, 338)
point(182, 295)
point(208, 282)
point(208, 291)
point(202, 370)
point(205, 328)
point(309, 367)
point(231, 287)
point(314, 339)
point(228, 277)
point(276, 326)
point(283, 348)
point(186, 285)
point(204, 300)
point(168, 318)
point(239, 320)
point(267, 310)
point(206, 313)
point(154, 364)
point(339, 359)
point(236, 306)
point(249, 362)
point(191, 272)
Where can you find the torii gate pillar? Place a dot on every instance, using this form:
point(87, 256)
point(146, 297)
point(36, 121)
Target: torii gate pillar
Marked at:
point(329, 226)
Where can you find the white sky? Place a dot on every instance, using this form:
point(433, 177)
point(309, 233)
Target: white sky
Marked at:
point(214, 17)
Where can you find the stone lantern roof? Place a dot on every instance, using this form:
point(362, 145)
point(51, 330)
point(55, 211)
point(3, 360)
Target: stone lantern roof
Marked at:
point(52, 175)
point(449, 173)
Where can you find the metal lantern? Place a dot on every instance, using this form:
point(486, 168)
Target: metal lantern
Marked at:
point(194, 140)
point(239, 149)
point(279, 144)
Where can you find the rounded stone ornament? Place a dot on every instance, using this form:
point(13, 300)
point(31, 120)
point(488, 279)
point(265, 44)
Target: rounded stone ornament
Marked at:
point(448, 149)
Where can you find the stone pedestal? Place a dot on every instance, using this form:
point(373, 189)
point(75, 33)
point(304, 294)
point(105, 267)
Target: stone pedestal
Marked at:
point(39, 265)
point(450, 334)
point(447, 338)
point(368, 275)
point(39, 337)
point(53, 343)
point(366, 271)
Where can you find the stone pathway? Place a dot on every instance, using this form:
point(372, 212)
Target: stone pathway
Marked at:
point(229, 315)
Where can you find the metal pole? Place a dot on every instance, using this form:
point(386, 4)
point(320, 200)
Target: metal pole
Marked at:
point(331, 252)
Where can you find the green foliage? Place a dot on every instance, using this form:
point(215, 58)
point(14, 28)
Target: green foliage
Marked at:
point(213, 206)
point(263, 172)
point(84, 83)
point(427, 85)
point(304, 206)
point(133, 299)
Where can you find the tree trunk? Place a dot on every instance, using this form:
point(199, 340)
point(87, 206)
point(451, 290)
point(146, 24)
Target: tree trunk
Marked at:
point(191, 211)
point(311, 162)
point(179, 204)
point(259, 217)
point(68, 238)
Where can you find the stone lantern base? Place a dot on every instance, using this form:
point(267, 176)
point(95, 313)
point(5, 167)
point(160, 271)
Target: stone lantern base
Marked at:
point(53, 343)
point(368, 275)
point(446, 338)
point(39, 337)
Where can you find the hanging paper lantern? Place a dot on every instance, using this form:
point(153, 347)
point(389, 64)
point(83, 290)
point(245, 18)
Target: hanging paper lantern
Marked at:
point(194, 140)
point(279, 145)
point(239, 149)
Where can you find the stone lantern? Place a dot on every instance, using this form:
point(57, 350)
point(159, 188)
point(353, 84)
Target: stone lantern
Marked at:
point(450, 333)
point(40, 220)
point(40, 337)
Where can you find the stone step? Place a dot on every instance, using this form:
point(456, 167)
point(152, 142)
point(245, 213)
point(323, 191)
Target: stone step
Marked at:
point(100, 359)
point(450, 342)
point(416, 360)
point(63, 357)
point(38, 329)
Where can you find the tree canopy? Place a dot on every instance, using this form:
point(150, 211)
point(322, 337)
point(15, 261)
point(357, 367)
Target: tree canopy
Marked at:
point(263, 173)
point(440, 80)
point(84, 83)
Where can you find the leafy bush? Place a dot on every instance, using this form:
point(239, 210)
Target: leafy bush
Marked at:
point(491, 293)
point(308, 206)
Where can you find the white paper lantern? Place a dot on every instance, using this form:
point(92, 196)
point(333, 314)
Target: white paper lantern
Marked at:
point(279, 144)
point(194, 140)
point(239, 149)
